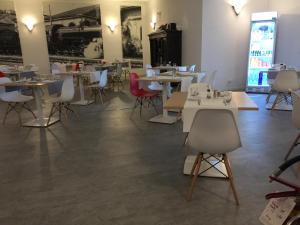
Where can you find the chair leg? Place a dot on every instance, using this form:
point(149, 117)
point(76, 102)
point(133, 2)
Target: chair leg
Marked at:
point(8, 110)
point(152, 103)
point(51, 113)
point(135, 105)
point(230, 176)
point(100, 95)
point(295, 143)
point(141, 106)
point(68, 108)
point(25, 106)
point(275, 102)
point(196, 173)
point(268, 97)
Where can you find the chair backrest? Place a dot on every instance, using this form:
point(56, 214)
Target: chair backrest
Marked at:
point(68, 90)
point(182, 68)
point(148, 66)
point(103, 79)
point(296, 109)
point(150, 73)
point(3, 80)
point(214, 131)
point(192, 68)
point(2, 74)
point(186, 83)
point(286, 80)
point(201, 77)
point(134, 83)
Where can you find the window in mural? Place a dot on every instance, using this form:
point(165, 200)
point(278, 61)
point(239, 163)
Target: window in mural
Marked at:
point(10, 48)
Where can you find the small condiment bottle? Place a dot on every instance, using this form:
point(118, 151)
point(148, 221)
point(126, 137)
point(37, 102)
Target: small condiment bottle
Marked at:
point(208, 93)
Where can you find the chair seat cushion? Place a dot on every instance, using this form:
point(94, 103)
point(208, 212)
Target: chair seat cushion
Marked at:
point(15, 96)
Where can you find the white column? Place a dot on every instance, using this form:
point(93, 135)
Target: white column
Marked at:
point(33, 44)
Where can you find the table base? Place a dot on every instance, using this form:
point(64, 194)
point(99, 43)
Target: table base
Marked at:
point(164, 119)
point(83, 102)
point(41, 124)
point(189, 162)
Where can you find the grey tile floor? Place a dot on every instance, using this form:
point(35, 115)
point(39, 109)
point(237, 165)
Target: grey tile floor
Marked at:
point(105, 168)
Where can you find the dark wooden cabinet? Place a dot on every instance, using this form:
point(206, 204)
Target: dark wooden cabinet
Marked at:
point(165, 47)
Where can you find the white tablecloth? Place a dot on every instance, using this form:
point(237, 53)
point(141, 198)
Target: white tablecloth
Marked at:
point(191, 107)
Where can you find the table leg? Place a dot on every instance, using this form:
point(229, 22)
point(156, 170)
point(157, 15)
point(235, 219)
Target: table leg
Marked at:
point(40, 121)
point(164, 118)
point(82, 101)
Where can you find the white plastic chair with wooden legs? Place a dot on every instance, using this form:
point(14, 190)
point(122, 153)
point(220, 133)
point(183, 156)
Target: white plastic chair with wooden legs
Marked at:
point(62, 104)
point(15, 101)
point(296, 122)
point(100, 84)
point(285, 82)
point(214, 132)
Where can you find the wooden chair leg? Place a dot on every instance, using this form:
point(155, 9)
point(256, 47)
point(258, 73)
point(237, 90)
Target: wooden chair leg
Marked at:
point(275, 102)
point(295, 143)
point(100, 95)
point(230, 176)
point(196, 173)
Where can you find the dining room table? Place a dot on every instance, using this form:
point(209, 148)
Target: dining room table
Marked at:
point(37, 87)
point(182, 101)
point(163, 118)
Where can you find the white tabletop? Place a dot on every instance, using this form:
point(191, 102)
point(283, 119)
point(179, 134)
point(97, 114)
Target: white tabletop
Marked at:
point(192, 106)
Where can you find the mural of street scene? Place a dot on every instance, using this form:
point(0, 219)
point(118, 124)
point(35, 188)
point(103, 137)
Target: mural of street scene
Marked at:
point(10, 48)
point(131, 20)
point(73, 30)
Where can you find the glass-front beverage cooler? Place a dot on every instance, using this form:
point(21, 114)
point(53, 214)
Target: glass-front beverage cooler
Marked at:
point(261, 51)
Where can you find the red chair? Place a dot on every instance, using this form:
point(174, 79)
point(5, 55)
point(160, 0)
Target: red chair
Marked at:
point(140, 94)
point(2, 74)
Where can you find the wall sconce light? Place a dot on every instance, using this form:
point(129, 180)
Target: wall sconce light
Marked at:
point(29, 23)
point(153, 22)
point(153, 25)
point(238, 5)
point(111, 25)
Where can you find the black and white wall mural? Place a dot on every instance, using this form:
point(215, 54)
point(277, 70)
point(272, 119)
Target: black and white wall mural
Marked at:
point(131, 20)
point(73, 30)
point(10, 48)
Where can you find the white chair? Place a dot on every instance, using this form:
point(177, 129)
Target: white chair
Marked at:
point(296, 121)
point(192, 68)
point(148, 66)
point(201, 77)
point(15, 100)
point(285, 82)
point(185, 83)
point(154, 86)
point(100, 82)
point(58, 68)
point(213, 132)
point(62, 103)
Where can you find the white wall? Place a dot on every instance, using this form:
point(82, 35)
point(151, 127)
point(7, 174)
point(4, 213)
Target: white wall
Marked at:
point(288, 35)
point(33, 44)
point(225, 41)
point(188, 16)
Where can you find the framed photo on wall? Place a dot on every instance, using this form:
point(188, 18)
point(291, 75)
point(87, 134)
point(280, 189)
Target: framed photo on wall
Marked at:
point(10, 47)
point(132, 35)
point(74, 30)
